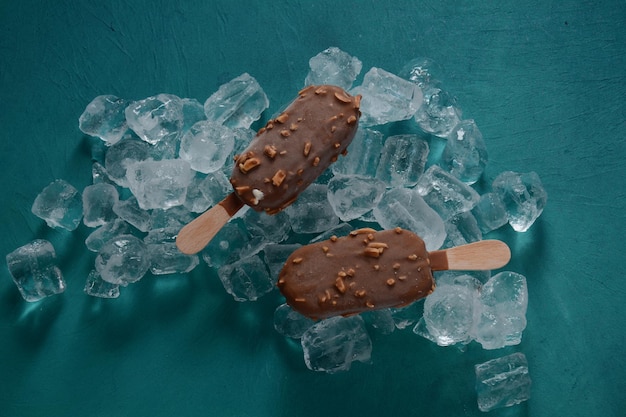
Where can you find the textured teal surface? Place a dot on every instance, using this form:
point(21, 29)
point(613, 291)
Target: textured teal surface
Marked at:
point(544, 80)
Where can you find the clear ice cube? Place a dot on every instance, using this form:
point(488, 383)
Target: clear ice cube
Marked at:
point(439, 114)
point(98, 202)
point(331, 345)
point(122, 260)
point(445, 193)
point(237, 103)
point(405, 208)
point(311, 212)
point(106, 232)
point(246, 279)
point(274, 228)
point(465, 154)
point(130, 211)
point(157, 118)
point(490, 212)
point(500, 315)
point(462, 229)
point(290, 323)
point(386, 98)
point(502, 382)
point(206, 146)
point(34, 270)
point(231, 243)
point(159, 184)
point(403, 160)
point(60, 205)
point(97, 287)
point(353, 196)
point(448, 314)
point(104, 118)
point(523, 196)
point(122, 154)
point(363, 154)
point(333, 66)
point(165, 258)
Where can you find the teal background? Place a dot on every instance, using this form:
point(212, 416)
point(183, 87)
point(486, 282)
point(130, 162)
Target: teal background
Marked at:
point(545, 82)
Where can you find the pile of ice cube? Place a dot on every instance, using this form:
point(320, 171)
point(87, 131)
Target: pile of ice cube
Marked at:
point(162, 160)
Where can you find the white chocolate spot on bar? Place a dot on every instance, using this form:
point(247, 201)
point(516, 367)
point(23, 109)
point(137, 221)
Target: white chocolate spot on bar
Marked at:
point(258, 195)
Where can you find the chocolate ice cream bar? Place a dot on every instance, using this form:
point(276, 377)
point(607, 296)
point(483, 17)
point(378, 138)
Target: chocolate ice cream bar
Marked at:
point(367, 270)
point(284, 158)
point(293, 149)
point(370, 270)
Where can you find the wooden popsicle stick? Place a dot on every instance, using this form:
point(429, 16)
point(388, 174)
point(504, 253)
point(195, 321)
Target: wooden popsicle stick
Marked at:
point(194, 236)
point(476, 256)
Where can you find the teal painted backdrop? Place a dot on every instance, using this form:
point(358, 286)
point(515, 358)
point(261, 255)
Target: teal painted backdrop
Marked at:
point(544, 80)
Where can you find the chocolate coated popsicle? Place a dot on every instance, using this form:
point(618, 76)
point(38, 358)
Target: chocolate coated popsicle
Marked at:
point(293, 149)
point(285, 157)
point(367, 270)
point(370, 270)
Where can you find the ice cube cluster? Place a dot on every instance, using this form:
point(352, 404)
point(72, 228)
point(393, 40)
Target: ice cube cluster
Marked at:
point(415, 162)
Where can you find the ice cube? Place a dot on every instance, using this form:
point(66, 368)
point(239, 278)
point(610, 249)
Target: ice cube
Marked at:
point(130, 211)
point(353, 196)
point(448, 314)
point(490, 212)
point(98, 202)
point(34, 270)
point(381, 320)
point(462, 229)
point(231, 243)
point(165, 258)
point(157, 118)
point(402, 160)
point(445, 193)
point(500, 315)
point(274, 228)
point(122, 154)
point(104, 118)
point(421, 71)
point(122, 260)
point(363, 154)
point(246, 279)
point(407, 316)
point(106, 232)
point(290, 323)
point(172, 217)
point(60, 205)
point(439, 114)
point(311, 212)
point(215, 187)
point(405, 208)
point(332, 345)
point(386, 98)
point(275, 256)
point(238, 103)
point(97, 287)
point(206, 146)
point(159, 184)
point(99, 174)
point(523, 196)
point(465, 154)
point(502, 382)
point(193, 112)
point(333, 66)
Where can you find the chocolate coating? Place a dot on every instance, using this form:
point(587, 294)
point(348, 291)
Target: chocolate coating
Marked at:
point(293, 149)
point(367, 270)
